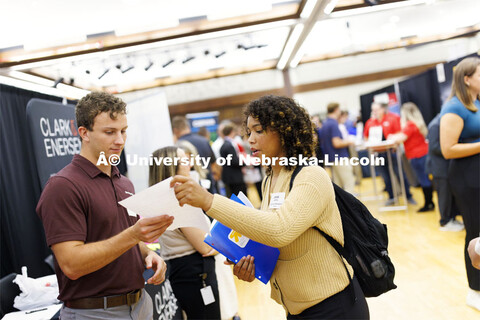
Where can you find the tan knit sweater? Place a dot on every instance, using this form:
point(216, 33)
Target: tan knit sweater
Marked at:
point(308, 270)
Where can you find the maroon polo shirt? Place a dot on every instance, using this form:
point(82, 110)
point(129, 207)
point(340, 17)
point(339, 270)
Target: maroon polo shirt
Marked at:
point(81, 203)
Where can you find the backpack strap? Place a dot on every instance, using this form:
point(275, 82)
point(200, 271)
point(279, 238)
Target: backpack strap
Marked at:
point(334, 243)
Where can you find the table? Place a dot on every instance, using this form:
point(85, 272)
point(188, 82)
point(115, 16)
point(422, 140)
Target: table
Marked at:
point(389, 146)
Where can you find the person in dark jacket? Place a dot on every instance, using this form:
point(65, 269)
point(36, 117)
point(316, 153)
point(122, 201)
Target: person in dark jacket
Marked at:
point(437, 165)
point(232, 174)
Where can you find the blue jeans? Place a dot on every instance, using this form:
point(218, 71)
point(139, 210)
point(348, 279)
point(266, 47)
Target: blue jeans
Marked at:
point(418, 164)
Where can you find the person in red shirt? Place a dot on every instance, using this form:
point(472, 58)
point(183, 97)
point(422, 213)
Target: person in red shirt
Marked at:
point(390, 124)
point(413, 136)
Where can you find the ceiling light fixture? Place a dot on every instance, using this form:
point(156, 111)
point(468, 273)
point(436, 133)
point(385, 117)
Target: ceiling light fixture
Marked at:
point(150, 64)
point(59, 80)
point(160, 44)
point(128, 69)
point(330, 6)
point(307, 9)
point(383, 7)
point(104, 73)
point(169, 62)
point(287, 51)
point(187, 59)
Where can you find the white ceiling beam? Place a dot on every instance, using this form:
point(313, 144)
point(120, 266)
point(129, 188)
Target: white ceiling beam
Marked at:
point(301, 30)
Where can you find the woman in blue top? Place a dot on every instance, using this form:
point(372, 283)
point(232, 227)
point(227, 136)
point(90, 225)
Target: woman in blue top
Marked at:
point(460, 141)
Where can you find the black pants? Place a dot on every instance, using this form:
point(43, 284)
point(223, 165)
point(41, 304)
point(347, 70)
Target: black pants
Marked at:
point(338, 306)
point(464, 178)
point(446, 203)
point(184, 275)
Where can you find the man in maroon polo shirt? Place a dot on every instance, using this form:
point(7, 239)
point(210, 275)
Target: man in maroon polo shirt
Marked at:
point(98, 245)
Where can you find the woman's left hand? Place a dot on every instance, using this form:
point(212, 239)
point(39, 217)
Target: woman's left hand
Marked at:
point(190, 192)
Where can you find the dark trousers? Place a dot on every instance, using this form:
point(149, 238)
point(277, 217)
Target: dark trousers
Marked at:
point(446, 202)
point(464, 178)
point(184, 274)
point(418, 165)
point(338, 306)
point(384, 172)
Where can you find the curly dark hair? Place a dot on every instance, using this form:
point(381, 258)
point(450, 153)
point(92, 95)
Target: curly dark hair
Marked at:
point(286, 117)
point(95, 103)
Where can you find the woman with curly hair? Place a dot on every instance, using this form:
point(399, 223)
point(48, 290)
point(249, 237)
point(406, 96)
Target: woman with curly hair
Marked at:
point(310, 279)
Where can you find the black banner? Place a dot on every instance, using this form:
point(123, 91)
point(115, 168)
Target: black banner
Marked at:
point(54, 136)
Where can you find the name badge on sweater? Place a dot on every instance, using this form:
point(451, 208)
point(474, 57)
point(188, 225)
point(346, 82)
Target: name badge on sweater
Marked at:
point(276, 200)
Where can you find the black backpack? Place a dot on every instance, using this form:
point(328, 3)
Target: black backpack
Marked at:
point(366, 242)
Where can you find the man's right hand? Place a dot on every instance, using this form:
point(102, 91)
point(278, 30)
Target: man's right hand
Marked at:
point(149, 229)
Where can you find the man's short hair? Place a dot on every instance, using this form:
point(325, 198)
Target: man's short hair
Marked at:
point(227, 129)
point(95, 103)
point(180, 123)
point(332, 106)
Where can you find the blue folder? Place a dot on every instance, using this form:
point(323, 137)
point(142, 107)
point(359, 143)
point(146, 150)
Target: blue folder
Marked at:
point(234, 246)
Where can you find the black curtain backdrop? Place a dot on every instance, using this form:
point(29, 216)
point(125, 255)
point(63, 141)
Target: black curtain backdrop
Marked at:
point(22, 235)
point(367, 99)
point(423, 90)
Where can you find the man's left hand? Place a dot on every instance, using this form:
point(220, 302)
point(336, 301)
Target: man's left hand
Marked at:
point(154, 261)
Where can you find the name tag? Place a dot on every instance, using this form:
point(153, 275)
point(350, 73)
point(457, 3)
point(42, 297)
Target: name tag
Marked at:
point(207, 295)
point(276, 200)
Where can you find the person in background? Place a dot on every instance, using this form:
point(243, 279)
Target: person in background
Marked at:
point(191, 265)
point(182, 131)
point(342, 126)
point(218, 143)
point(460, 141)
point(226, 284)
point(99, 247)
point(335, 146)
point(232, 175)
point(317, 123)
point(310, 279)
point(345, 125)
point(191, 153)
point(437, 165)
point(203, 131)
point(413, 136)
point(390, 124)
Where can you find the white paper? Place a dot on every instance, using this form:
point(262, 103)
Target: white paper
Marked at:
point(42, 313)
point(244, 199)
point(160, 199)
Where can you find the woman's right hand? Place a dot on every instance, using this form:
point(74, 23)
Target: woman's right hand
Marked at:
point(190, 192)
point(245, 269)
